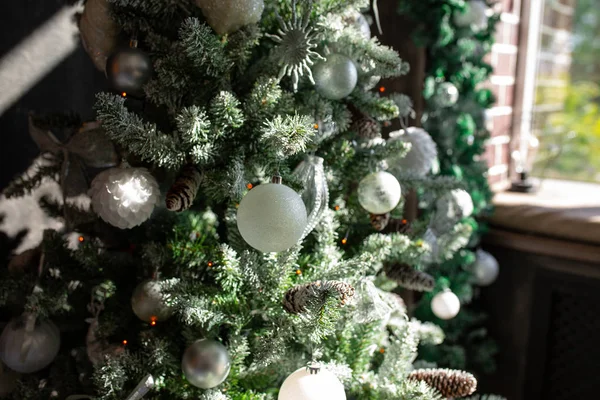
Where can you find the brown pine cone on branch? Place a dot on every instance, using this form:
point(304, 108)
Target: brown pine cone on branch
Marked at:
point(366, 127)
point(299, 297)
point(450, 383)
point(183, 192)
point(409, 278)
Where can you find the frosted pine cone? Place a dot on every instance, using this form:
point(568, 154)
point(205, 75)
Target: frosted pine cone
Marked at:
point(124, 197)
point(409, 278)
point(367, 128)
point(449, 382)
point(299, 297)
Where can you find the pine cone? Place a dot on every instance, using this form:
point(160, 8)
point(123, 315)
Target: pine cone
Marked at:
point(297, 298)
point(367, 128)
point(183, 192)
point(409, 278)
point(380, 221)
point(449, 382)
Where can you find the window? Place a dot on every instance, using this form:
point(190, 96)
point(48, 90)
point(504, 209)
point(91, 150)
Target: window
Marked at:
point(560, 122)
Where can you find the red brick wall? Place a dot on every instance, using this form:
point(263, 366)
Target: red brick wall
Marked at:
point(504, 60)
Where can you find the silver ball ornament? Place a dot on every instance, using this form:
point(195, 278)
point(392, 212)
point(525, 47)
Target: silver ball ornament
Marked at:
point(312, 384)
point(124, 197)
point(272, 217)
point(445, 305)
point(360, 23)
point(28, 345)
point(149, 303)
point(422, 154)
point(485, 268)
point(206, 363)
point(379, 192)
point(128, 70)
point(446, 95)
point(474, 16)
point(336, 77)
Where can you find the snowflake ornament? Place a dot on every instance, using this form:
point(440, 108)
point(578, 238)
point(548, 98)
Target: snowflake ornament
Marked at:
point(296, 43)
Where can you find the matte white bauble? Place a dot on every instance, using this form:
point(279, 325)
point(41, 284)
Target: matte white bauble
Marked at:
point(485, 269)
point(445, 305)
point(336, 77)
point(379, 192)
point(28, 345)
point(422, 154)
point(306, 384)
point(474, 15)
point(272, 217)
point(124, 197)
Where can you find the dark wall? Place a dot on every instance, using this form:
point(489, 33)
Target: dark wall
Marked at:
point(68, 87)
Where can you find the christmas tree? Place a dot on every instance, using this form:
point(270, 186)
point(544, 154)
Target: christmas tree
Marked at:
point(232, 225)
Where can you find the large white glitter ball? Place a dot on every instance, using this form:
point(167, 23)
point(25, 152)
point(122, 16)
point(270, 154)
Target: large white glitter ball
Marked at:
point(226, 16)
point(485, 269)
point(446, 94)
point(445, 305)
point(124, 197)
point(28, 345)
point(336, 77)
point(272, 217)
point(451, 208)
point(379, 192)
point(422, 154)
point(307, 384)
point(474, 16)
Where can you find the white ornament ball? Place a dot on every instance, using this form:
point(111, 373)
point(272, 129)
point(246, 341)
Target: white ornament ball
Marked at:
point(451, 208)
point(304, 385)
point(28, 345)
point(226, 16)
point(379, 192)
point(445, 305)
point(422, 154)
point(272, 217)
point(124, 197)
point(336, 77)
point(485, 269)
point(206, 363)
point(149, 303)
point(474, 16)
point(446, 94)
point(360, 23)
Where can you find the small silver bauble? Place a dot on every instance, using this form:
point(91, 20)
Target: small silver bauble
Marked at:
point(124, 197)
point(474, 16)
point(379, 192)
point(309, 383)
point(28, 345)
point(485, 268)
point(149, 303)
point(206, 363)
point(336, 77)
point(422, 154)
point(446, 94)
point(445, 305)
point(272, 217)
point(128, 70)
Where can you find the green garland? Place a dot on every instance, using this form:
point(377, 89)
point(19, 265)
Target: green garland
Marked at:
point(456, 55)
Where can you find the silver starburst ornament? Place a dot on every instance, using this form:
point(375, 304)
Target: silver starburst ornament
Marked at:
point(296, 43)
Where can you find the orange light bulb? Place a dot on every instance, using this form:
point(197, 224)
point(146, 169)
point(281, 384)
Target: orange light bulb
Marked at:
point(249, 186)
point(382, 89)
point(81, 239)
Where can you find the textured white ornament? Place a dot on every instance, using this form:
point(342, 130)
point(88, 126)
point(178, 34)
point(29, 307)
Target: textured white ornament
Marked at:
point(226, 16)
point(451, 208)
point(28, 345)
point(360, 23)
point(485, 269)
point(336, 77)
point(422, 154)
point(306, 384)
point(445, 305)
point(206, 363)
point(474, 16)
point(271, 217)
point(446, 94)
point(148, 302)
point(124, 197)
point(379, 192)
